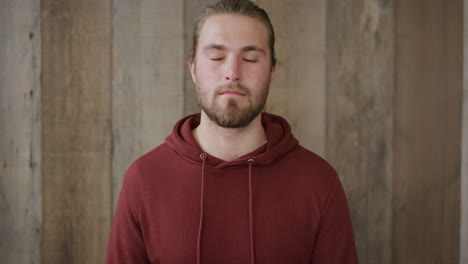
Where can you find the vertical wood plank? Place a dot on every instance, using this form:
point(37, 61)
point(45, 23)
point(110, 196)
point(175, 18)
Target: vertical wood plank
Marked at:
point(359, 101)
point(148, 41)
point(453, 79)
point(193, 8)
point(148, 78)
point(76, 130)
point(427, 131)
point(20, 170)
point(464, 160)
point(297, 91)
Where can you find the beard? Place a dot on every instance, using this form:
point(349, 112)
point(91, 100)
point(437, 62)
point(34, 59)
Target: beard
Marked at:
point(232, 115)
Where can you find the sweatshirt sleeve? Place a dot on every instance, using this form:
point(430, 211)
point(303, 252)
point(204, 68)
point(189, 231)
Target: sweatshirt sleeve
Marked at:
point(334, 242)
point(126, 244)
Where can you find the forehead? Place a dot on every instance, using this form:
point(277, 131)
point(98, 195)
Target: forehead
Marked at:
point(233, 31)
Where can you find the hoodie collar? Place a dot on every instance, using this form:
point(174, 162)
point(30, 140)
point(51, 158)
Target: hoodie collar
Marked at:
point(278, 133)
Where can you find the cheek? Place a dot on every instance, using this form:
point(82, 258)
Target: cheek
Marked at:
point(258, 76)
point(206, 69)
point(205, 86)
point(207, 79)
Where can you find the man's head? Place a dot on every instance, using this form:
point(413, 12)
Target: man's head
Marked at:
point(235, 7)
point(233, 61)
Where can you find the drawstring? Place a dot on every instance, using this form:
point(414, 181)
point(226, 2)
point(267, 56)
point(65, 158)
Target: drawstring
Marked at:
point(203, 157)
point(252, 252)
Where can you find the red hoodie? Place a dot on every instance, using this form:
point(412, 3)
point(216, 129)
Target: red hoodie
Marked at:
point(278, 204)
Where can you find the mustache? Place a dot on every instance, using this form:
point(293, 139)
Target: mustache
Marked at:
point(234, 87)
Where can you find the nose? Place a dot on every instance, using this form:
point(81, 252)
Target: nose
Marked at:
point(232, 71)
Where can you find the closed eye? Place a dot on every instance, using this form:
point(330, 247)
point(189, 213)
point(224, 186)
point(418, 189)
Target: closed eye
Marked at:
point(250, 60)
point(216, 59)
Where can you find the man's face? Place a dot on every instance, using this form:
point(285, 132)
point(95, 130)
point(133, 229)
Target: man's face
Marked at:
point(232, 70)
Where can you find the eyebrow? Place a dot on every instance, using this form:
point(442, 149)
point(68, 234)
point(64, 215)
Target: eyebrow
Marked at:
point(214, 46)
point(244, 49)
point(253, 48)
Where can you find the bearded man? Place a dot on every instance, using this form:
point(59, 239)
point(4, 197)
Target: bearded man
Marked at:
point(231, 184)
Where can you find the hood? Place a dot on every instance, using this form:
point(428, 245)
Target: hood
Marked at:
point(280, 141)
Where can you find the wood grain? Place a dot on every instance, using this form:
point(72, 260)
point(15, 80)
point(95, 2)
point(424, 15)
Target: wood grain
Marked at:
point(20, 167)
point(76, 130)
point(359, 117)
point(374, 85)
point(297, 91)
point(464, 160)
point(427, 131)
point(148, 78)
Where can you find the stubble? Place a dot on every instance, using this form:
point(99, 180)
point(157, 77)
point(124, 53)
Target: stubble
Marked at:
point(232, 115)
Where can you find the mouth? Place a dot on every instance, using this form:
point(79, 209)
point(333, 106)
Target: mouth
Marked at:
point(232, 92)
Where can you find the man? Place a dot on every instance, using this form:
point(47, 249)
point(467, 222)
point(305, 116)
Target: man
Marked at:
point(231, 184)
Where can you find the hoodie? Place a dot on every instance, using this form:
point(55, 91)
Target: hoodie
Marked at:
point(278, 204)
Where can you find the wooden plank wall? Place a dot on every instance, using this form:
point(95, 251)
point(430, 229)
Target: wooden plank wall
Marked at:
point(360, 65)
point(76, 130)
point(147, 83)
point(427, 105)
point(374, 86)
point(393, 124)
point(20, 165)
point(464, 164)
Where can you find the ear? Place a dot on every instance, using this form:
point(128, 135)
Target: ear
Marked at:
point(191, 65)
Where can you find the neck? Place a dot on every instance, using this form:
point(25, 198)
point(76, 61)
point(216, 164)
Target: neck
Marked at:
point(229, 143)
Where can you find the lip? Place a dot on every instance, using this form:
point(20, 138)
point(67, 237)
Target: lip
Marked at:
point(231, 92)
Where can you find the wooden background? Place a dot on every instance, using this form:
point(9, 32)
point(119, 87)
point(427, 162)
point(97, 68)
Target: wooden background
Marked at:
point(374, 86)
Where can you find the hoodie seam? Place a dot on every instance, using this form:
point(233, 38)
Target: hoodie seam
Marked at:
point(130, 189)
point(240, 164)
point(329, 198)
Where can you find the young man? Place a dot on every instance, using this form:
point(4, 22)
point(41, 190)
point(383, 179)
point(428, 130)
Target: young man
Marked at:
point(231, 184)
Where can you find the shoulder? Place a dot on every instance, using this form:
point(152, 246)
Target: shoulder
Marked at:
point(323, 179)
point(147, 165)
point(157, 155)
point(311, 162)
point(143, 176)
point(311, 169)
